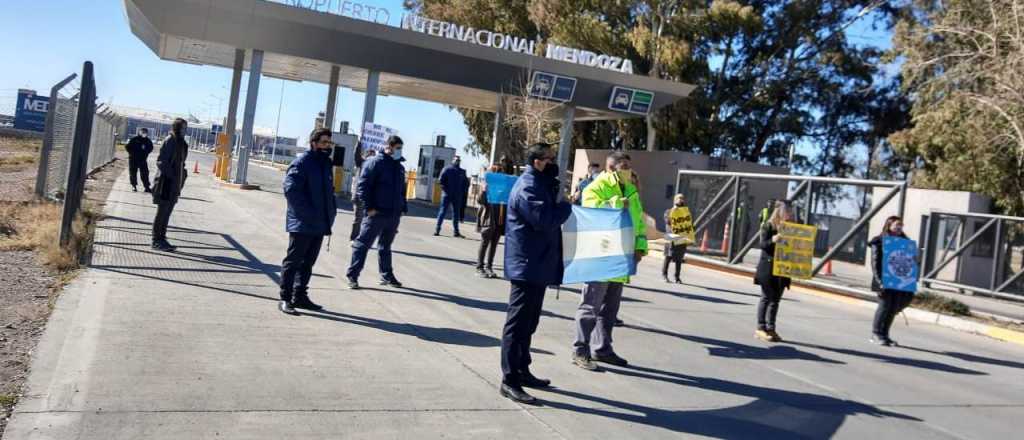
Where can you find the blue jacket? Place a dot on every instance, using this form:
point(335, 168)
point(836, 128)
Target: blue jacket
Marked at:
point(309, 189)
point(533, 234)
point(454, 181)
point(381, 185)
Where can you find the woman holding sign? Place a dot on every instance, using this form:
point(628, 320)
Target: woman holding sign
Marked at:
point(772, 286)
point(490, 223)
point(679, 226)
point(890, 301)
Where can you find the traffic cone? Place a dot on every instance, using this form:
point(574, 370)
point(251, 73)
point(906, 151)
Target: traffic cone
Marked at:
point(725, 238)
point(704, 242)
point(828, 265)
point(195, 170)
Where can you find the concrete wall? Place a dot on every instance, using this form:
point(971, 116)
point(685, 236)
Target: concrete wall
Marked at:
point(658, 173)
point(969, 269)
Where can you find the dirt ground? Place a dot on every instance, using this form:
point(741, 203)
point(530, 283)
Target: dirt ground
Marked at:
point(28, 287)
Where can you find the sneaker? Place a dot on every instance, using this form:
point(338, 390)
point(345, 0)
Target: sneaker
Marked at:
point(584, 361)
point(303, 302)
point(665, 277)
point(286, 308)
point(880, 340)
point(679, 281)
point(482, 273)
point(390, 282)
point(517, 394)
point(612, 358)
point(763, 335)
point(491, 274)
point(149, 190)
point(458, 235)
point(353, 284)
point(775, 336)
point(437, 234)
point(135, 189)
point(163, 246)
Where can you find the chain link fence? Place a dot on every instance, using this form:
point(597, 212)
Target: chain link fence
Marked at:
point(61, 124)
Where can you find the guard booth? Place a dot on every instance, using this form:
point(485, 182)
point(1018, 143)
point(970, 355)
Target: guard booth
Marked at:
point(433, 159)
point(344, 161)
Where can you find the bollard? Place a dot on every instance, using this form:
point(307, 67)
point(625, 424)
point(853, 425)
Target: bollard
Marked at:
point(704, 243)
point(725, 238)
point(195, 169)
point(828, 265)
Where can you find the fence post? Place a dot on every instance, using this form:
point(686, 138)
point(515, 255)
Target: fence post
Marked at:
point(47, 149)
point(79, 152)
point(997, 253)
point(730, 251)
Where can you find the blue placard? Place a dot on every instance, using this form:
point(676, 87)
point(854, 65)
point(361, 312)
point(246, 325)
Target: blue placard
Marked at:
point(30, 113)
point(565, 87)
point(542, 85)
point(499, 186)
point(620, 99)
point(215, 128)
point(899, 264)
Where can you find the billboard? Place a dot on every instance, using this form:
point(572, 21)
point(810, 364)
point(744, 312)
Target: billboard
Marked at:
point(30, 113)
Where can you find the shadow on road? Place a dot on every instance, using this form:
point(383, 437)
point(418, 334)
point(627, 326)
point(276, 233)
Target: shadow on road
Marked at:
point(895, 360)
point(443, 335)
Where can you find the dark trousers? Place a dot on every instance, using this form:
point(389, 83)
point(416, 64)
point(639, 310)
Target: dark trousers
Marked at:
point(382, 229)
point(297, 268)
point(768, 307)
point(163, 217)
point(595, 318)
point(488, 245)
point(442, 212)
point(673, 254)
point(138, 165)
point(357, 218)
point(890, 304)
point(524, 306)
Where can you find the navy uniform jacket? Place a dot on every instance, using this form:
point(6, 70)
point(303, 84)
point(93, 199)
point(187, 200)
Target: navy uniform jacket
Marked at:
point(309, 189)
point(533, 234)
point(381, 185)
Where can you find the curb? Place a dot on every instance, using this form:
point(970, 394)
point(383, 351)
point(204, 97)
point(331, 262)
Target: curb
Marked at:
point(240, 186)
point(859, 298)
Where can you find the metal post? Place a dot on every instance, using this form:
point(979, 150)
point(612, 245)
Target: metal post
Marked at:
point(498, 135)
point(902, 204)
point(757, 236)
point(564, 145)
point(231, 125)
point(854, 230)
point(929, 243)
point(370, 99)
point(1009, 281)
point(249, 117)
point(332, 98)
point(277, 128)
point(997, 254)
point(808, 202)
point(44, 153)
point(714, 200)
point(79, 153)
point(730, 249)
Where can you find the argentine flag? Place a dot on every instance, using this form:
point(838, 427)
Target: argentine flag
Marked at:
point(597, 244)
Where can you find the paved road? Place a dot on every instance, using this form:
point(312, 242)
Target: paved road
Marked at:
point(150, 345)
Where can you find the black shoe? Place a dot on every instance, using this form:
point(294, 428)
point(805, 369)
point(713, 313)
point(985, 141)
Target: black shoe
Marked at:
point(517, 394)
point(390, 282)
point(618, 323)
point(353, 284)
point(437, 233)
point(531, 381)
point(491, 274)
point(163, 246)
point(135, 189)
point(482, 273)
point(679, 281)
point(286, 308)
point(880, 340)
point(303, 302)
point(665, 277)
point(458, 235)
point(613, 359)
point(149, 190)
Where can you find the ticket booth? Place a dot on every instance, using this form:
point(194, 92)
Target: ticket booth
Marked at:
point(433, 159)
point(344, 161)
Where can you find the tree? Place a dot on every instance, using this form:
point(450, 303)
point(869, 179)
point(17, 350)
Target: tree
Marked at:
point(964, 69)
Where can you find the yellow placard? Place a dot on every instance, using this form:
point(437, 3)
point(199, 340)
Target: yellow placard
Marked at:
point(680, 226)
point(794, 252)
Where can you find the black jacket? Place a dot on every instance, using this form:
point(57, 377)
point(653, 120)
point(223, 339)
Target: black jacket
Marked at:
point(309, 190)
point(876, 262)
point(381, 185)
point(491, 218)
point(171, 173)
point(764, 265)
point(139, 147)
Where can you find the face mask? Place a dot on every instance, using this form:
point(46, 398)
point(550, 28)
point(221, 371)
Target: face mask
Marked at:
point(680, 203)
point(325, 152)
point(625, 176)
point(396, 154)
point(144, 135)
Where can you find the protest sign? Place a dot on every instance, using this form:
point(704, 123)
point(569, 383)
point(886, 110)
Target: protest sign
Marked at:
point(794, 252)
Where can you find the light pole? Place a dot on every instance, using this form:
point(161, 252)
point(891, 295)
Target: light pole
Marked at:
point(280, 104)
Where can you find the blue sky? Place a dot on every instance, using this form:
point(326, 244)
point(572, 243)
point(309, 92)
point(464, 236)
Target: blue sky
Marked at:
point(129, 74)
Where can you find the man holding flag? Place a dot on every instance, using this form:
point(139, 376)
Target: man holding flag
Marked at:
point(599, 305)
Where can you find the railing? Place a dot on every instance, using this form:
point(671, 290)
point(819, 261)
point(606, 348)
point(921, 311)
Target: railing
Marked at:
point(996, 241)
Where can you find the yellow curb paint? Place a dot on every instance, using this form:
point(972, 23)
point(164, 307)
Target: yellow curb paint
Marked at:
point(1005, 335)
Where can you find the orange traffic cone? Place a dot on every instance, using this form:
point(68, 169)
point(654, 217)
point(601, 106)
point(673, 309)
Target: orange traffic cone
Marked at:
point(725, 238)
point(828, 265)
point(704, 242)
point(195, 170)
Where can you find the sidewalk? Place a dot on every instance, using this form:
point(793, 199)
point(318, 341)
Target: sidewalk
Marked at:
point(190, 345)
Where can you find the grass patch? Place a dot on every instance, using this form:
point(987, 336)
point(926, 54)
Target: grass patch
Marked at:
point(940, 304)
point(7, 400)
point(17, 159)
point(36, 226)
point(20, 144)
